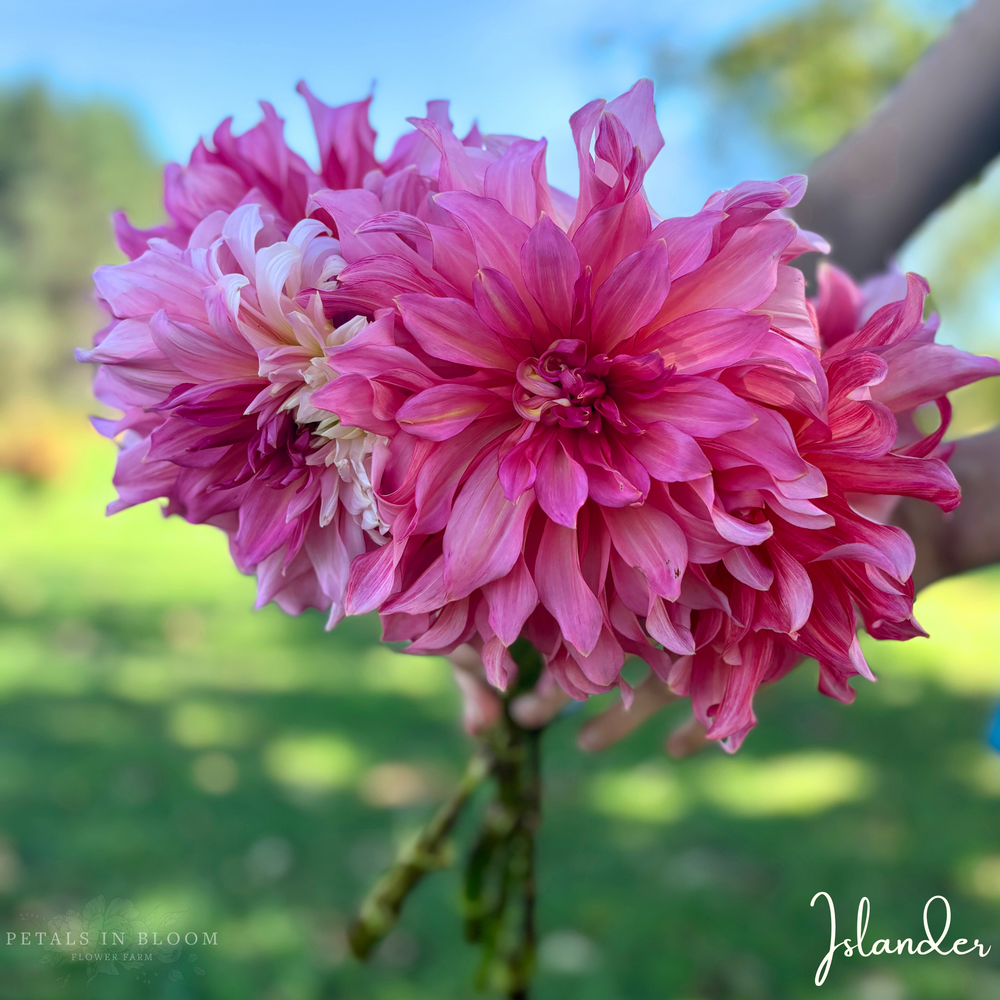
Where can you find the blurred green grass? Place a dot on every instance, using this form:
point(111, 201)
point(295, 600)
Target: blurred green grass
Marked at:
point(162, 742)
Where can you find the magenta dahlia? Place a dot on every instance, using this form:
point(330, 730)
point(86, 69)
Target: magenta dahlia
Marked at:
point(615, 435)
point(219, 339)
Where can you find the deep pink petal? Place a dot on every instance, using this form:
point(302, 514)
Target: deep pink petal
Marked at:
point(451, 330)
point(345, 138)
point(443, 411)
point(669, 454)
point(485, 534)
point(741, 276)
point(511, 179)
point(511, 599)
point(560, 484)
point(650, 540)
point(708, 340)
point(630, 297)
point(551, 269)
point(689, 240)
point(918, 373)
point(562, 589)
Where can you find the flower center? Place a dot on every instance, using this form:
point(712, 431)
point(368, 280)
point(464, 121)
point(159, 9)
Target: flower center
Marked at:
point(563, 386)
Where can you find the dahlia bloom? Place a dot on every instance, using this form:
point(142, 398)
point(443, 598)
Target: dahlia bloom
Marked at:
point(219, 339)
point(616, 435)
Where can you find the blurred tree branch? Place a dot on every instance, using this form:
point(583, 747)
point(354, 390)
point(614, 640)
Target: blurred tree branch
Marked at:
point(937, 131)
point(968, 537)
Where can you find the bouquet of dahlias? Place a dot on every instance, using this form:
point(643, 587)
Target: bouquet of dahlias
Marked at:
point(559, 430)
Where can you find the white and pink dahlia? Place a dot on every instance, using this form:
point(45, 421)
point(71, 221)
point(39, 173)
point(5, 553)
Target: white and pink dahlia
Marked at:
point(219, 339)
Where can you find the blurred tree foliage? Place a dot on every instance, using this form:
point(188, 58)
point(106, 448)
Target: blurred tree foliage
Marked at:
point(811, 77)
point(808, 78)
point(63, 169)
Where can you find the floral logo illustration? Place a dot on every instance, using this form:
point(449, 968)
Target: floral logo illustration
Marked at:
point(111, 938)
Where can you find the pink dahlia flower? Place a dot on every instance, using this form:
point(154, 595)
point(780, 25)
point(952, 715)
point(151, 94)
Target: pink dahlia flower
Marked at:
point(219, 339)
point(615, 435)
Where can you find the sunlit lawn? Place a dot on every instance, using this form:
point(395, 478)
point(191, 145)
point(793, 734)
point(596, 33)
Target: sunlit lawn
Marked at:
point(163, 743)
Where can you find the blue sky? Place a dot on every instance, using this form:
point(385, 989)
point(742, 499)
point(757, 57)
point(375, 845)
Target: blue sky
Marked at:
point(522, 66)
point(519, 66)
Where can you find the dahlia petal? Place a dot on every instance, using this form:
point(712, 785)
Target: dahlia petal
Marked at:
point(630, 297)
point(636, 110)
point(128, 342)
point(893, 323)
point(240, 233)
point(519, 467)
point(731, 528)
point(200, 354)
point(560, 484)
point(345, 138)
point(746, 566)
point(650, 540)
point(446, 631)
point(768, 442)
point(792, 587)
point(708, 340)
point(511, 179)
point(498, 663)
point(455, 172)
point(895, 475)
point(374, 282)
point(669, 454)
point(349, 211)
point(603, 664)
point(135, 242)
point(373, 354)
point(400, 223)
point(193, 192)
point(138, 480)
point(839, 305)
point(439, 476)
point(697, 406)
point(734, 717)
point(428, 594)
point(500, 307)
point(614, 146)
point(371, 579)
point(551, 268)
point(442, 411)
point(485, 533)
point(662, 628)
point(562, 589)
point(583, 123)
point(511, 599)
point(263, 528)
point(156, 280)
point(918, 373)
point(498, 236)
point(451, 329)
point(352, 399)
point(689, 240)
point(788, 308)
point(454, 256)
point(609, 235)
point(741, 276)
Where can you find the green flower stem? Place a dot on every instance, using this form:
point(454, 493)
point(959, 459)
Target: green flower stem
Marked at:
point(500, 874)
point(380, 909)
point(499, 889)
